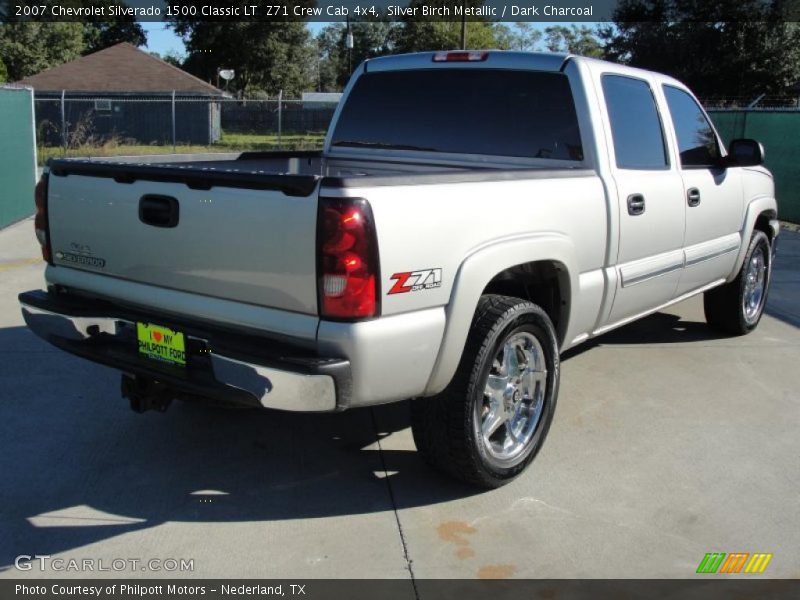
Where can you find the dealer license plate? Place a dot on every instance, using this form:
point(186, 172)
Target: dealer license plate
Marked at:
point(161, 343)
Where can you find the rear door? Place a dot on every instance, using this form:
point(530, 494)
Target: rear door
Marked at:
point(714, 200)
point(649, 197)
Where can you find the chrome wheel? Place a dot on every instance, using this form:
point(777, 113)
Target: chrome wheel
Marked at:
point(755, 285)
point(513, 397)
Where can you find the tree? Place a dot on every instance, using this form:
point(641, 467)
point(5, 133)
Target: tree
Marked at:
point(170, 57)
point(574, 40)
point(268, 56)
point(370, 39)
point(3, 72)
point(103, 34)
point(30, 47)
point(415, 35)
point(173, 58)
point(418, 36)
point(523, 37)
point(726, 48)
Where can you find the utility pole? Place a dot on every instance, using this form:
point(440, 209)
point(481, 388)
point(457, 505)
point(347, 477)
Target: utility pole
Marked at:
point(280, 119)
point(348, 42)
point(464, 25)
point(319, 70)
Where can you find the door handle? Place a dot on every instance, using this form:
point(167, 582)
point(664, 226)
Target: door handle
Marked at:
point(693, 196)
point(635, 204)
point(158, 211)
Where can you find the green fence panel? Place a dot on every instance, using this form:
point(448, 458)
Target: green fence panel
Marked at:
point(17, 154)
point(779, 132)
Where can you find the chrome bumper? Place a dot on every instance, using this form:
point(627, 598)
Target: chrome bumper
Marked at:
point(97, 338)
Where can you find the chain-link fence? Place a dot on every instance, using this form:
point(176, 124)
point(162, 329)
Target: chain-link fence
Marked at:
point(78, 125)
point(752, 102)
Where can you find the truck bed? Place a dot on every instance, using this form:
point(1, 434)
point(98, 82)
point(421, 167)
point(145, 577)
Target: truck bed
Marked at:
point(294, 173)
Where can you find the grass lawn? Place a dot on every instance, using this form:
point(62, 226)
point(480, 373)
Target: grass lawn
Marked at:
point(229, 142)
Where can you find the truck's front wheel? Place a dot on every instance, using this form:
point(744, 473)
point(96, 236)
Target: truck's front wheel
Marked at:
point(736, 307)
point(492, 418)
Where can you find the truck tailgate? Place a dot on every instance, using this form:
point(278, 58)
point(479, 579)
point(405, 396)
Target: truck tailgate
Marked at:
point(238, 243)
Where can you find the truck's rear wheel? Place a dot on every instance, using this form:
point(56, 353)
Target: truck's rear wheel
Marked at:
point(736, 307)
point(493, 417)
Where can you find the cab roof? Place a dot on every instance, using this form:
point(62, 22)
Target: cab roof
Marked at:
point(501, 59)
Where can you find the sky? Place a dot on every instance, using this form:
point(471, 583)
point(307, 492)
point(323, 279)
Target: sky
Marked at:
point(161, 39)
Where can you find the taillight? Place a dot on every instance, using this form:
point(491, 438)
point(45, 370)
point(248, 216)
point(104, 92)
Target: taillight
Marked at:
point(41, 222)
point(461, 56)
point(347, 252)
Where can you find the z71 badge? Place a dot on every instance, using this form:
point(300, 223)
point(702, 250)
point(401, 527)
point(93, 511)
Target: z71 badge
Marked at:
point(414, 281)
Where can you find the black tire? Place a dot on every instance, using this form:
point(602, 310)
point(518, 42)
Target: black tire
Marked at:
point(725, 305)
point(447, 427)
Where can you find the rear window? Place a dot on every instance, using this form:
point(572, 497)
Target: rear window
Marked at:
point(465, 111)
point(635, 123)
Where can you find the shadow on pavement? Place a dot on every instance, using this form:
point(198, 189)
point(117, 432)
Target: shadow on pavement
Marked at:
point(79, 467)
point(658, 328)
point(783, 301)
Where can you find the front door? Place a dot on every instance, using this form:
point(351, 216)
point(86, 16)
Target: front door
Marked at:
point(650, 199)
point(714, 199)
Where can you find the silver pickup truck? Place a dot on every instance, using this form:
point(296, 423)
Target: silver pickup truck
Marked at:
point(471, 216)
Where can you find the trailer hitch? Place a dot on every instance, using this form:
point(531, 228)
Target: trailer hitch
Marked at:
point(146, 394)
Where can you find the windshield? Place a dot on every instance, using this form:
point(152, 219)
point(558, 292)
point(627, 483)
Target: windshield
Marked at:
point(465, 111)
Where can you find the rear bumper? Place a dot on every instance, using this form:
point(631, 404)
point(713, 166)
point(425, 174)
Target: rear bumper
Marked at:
point(221, 364)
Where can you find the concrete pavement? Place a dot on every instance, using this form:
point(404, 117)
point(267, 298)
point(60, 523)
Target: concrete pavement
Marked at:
point(669, 442)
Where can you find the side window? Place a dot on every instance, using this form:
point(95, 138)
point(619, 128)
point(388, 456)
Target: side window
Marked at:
point(635, 123)
point(697, 143)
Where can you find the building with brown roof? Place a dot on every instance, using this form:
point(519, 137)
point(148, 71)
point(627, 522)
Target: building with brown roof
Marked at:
point(120, 69)
point(124, 93)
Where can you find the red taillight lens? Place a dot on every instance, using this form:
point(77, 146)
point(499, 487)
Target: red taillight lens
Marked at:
point(41, 222)
point(348, 259)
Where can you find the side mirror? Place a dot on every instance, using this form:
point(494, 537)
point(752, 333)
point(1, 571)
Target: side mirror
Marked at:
point(745, 153)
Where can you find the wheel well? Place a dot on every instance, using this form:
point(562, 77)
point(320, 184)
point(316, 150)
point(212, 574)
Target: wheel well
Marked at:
point(545, 283)
point(762, 223)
